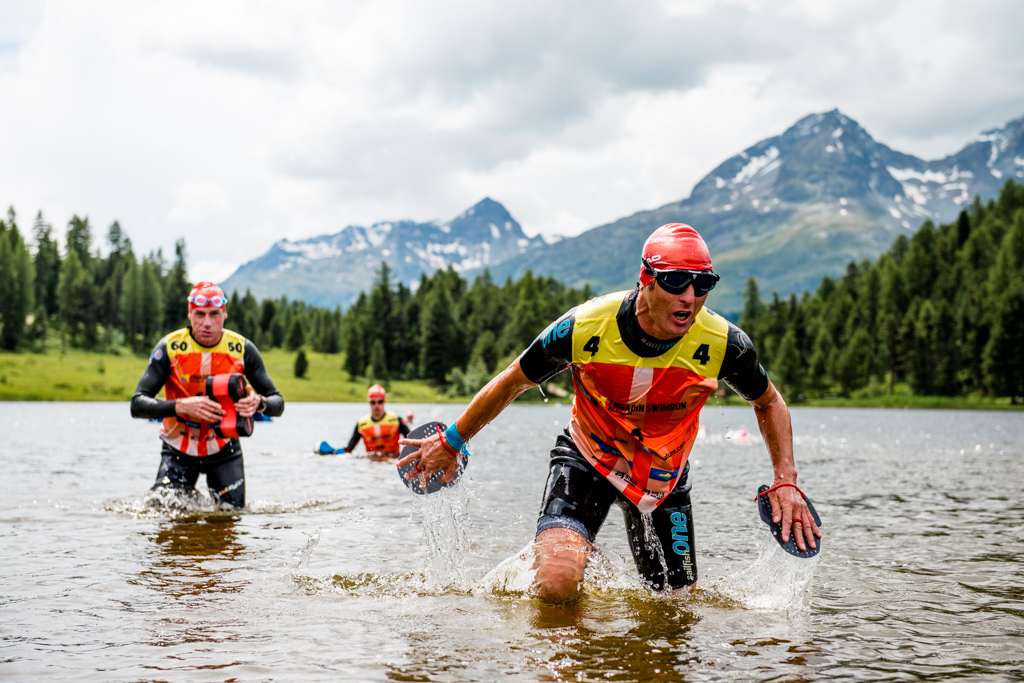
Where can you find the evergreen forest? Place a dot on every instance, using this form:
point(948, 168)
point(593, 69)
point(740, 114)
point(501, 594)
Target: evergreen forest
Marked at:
point(941, 313)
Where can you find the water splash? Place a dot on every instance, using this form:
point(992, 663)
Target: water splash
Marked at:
point(606, 571)
point(169, 503)
point(775, 581)
point(444, 515)
point(513, 576)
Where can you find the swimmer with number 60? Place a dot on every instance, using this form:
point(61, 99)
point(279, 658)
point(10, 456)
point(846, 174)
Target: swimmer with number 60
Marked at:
point(643, 364)
point(189, 365)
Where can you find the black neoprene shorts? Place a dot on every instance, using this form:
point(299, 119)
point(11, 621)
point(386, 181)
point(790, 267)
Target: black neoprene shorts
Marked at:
point(578, 497)
point(225, 474)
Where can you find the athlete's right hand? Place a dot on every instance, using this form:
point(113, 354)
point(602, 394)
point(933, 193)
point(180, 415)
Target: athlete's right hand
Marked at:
point(199, 409)
point(432, 456)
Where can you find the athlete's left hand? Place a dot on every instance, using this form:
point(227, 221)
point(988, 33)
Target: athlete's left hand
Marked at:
point(432, 456)
point(247, 406)
point(790, 508)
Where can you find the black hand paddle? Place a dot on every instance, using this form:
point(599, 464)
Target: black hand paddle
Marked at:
point(435, 484)
point(764, 506)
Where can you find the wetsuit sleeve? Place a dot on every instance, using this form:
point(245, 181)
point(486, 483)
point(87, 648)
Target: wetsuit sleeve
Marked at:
point(740, 369)
point(551, 352)
point(403, 428)
point(354, 440)
point(145, 404)
point(256, 373)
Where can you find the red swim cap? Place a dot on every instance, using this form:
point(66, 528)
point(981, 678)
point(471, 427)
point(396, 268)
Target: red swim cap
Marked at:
point(205, 295)
point(675, 246)
point(376, 391)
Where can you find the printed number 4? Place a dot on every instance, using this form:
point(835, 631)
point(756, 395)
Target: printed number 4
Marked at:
point(592, 345)
point(702, 354)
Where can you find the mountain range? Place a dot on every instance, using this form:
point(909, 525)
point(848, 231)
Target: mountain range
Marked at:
point(788, 210)
point(332, 270)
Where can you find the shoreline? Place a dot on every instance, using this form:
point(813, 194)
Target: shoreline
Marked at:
point(92, 376)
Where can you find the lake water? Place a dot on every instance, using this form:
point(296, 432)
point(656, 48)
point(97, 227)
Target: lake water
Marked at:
point(335, 571)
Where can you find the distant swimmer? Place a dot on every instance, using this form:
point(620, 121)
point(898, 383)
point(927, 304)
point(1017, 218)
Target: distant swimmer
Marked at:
point(189, 365)
point(643, 363)
point(381, 429)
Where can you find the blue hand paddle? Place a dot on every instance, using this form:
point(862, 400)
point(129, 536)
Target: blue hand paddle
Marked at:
point(764, 506)
point(435, 484)
point(326, 449)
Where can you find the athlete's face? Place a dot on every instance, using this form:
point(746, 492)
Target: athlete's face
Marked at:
point(377, 408)
point(664, 315)
point(208, 324)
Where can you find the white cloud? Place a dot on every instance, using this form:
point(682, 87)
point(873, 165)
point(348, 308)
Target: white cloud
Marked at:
point(234, 124)
point(198, 202)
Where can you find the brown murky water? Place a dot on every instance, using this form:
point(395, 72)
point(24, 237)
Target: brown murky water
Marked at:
point(335, 572)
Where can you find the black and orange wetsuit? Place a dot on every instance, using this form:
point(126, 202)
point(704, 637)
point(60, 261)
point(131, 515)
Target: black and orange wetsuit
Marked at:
point(634, 421)
point(180, 365)
point(379, 436)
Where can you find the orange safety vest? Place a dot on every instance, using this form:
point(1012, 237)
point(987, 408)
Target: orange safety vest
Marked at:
point(634, 418)
point(382, 435)
point(191, 364)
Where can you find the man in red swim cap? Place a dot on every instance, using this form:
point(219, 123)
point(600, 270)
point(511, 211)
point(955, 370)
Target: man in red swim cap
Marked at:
point(380, 430)
point(180, 365)
point(643, 364)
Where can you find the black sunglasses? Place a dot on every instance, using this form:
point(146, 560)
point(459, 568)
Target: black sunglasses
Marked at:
point(676, 281)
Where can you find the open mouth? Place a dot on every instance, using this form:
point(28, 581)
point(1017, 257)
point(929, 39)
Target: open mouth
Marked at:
point(681, 316)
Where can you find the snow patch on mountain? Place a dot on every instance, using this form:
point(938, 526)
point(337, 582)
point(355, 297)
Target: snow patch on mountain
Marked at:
point(756, 165)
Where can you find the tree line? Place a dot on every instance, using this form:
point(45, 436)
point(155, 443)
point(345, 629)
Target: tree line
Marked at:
point(941, 313)
point(90, 300)
point(444, 330)
point(448, 331)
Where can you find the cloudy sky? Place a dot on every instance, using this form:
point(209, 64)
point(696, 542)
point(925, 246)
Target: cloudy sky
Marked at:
point(234, 124)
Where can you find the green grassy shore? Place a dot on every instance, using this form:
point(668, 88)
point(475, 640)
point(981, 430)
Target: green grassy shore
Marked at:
point(89, 376)
point(77, 375)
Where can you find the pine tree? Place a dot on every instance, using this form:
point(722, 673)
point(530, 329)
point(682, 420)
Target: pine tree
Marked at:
point(176, 288)
point(753, 310)
point(131, 304)
point(1003, 360)
point(296, 334)
point(151, 302)
point(437, 335)
point(47, 265)
point(79, 240)
point(11, 331)
point(301, 364)
point(76, 300)
point(820, 366)
point(377, 370)
point(382, 303)
point(788, 370)
point(854, 362)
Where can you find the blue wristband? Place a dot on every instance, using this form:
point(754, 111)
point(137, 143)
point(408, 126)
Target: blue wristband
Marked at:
point(451, 435)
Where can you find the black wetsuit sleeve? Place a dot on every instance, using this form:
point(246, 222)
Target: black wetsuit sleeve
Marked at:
point(256, 373)
point(403, 428)
point(551, 352)
point(354, 440)
point(145, 404)
point(740, 369)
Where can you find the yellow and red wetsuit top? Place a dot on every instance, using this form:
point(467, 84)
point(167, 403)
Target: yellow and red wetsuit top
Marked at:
point(379, 436)
point(180, 365)
point(638, 399)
